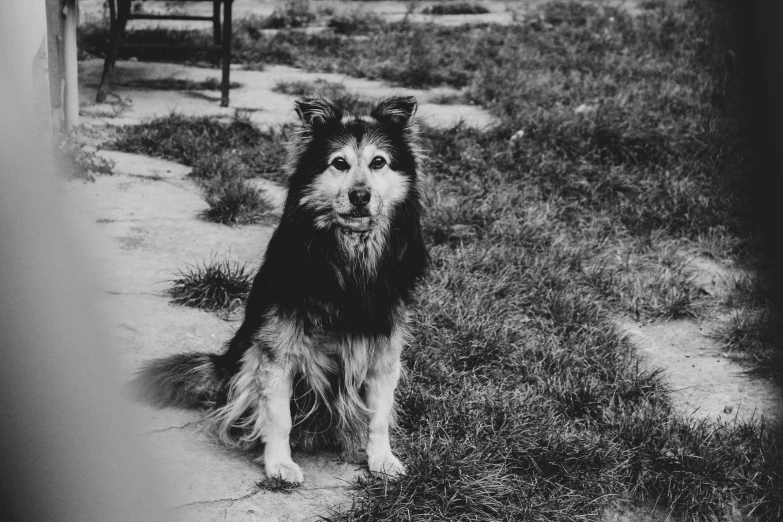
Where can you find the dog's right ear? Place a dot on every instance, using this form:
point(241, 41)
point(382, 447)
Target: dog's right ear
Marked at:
point(315, 111)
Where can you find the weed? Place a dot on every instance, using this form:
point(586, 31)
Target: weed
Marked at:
point(73, 161)
point(195, 141)
point(356, 23)
point(277, 485)
point(575, 14)
point(179, 84)
point(223, 166)
point(522, 400)
point(461, 8)
point(336, 92)
point(231, 200)
point(653, 283)
point(652, 4)
point(754, 337)
point(235, 202)
point(291, 15)
point(448, 99)
point(217, 285)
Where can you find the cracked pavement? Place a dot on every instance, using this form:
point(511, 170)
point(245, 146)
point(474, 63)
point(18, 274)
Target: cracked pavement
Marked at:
point(153, 202)
point(140, 226)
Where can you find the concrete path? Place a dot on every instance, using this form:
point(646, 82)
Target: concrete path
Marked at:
point(128, 103)
point(141, 224)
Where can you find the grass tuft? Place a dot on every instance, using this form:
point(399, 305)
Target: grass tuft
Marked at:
point(336, 92)
point(179, 84)
point(218, 285)
point(356, 23)
point(194, 140)
point(73, 161)
point(622, 141)
point(460, 8)
point(234, 202)
point(291, 15)
point(277, 485)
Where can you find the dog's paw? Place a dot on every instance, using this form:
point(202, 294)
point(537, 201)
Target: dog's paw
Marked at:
point(386, 464)
point(287, 471)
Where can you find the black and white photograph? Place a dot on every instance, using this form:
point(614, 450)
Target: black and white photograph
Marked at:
point(381, 260)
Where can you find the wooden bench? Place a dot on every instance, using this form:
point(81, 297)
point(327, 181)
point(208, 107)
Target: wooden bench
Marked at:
point(120, 13)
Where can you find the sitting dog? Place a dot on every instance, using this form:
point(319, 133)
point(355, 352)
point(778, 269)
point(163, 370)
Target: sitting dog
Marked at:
point(317, 357)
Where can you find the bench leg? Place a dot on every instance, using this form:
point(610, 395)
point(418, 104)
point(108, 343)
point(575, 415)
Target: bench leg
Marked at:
point(216, 30)
point(118, 20)
point(225, 86)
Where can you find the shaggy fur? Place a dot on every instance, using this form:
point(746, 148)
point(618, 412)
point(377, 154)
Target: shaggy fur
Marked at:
point(317, 358)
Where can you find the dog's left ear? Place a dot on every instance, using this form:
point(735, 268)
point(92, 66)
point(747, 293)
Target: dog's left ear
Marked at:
point(316, 110)
point(397, 110)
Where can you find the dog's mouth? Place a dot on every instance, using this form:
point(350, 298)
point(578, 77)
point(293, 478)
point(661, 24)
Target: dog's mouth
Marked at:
point(355, 221)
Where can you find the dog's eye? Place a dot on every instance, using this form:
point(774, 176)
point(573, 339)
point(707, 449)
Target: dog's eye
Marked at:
point(340, 164)
point(377, 163)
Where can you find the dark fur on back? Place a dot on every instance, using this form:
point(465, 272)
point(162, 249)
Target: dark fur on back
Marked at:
point(306, 276)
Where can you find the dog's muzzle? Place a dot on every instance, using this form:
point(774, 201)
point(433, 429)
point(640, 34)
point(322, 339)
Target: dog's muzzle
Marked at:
point(359, 217)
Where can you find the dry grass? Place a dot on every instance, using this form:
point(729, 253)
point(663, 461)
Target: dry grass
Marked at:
point(217, 285)
point(522, 400)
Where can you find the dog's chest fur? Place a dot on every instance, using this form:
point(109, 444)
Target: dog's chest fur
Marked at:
point(364, 249)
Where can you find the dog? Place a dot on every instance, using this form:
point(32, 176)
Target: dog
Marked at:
point(316, 360)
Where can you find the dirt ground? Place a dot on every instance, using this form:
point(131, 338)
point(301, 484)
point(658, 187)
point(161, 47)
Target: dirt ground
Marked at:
point(142, 224)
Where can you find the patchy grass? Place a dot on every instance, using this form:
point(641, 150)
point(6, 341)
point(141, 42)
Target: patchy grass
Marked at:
point(277, 485)
point(753, 335)
point(574, 14)
point(337, 92)
point(235, 202)
point(356, 23)
point(195, 141)
point(217, 285)
point(293, 14)
point(73, 161)
point(522, 401)
point(449, 99)
point(179, 84)
point(461, 8)
point(649, 281)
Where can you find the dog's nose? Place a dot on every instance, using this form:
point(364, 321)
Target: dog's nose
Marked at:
point(359, 197)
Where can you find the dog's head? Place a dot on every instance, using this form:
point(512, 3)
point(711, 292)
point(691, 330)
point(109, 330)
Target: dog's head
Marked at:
point(353, 172)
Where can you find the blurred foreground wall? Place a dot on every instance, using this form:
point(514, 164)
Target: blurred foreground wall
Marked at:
point(65, 445)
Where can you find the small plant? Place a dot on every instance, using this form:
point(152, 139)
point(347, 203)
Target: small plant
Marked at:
point(277, 485)
point(195, 140)
point(218, 285)
point(463, 8)
point(649, 286)
point(76, 162)
point(336, 92)
point(356, 23)
point(575, 14)
point(753, 335)
point(234, 202)
point(292, 15)
point(448, 98)
point(179, 84)
point(221, 166)
point(652, 4)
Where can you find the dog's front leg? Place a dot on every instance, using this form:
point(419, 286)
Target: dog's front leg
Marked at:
point(276, 396)
point(381, 383)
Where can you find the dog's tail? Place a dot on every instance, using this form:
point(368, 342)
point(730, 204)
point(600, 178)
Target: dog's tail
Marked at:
point(186, 380)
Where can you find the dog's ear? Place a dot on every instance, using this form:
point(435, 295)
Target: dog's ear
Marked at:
point(397, 110)
point(316, 111)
